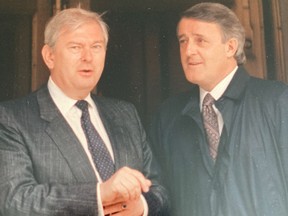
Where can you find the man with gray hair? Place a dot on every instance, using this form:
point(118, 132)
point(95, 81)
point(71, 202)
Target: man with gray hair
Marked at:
point(63, 150)
point(223, 146)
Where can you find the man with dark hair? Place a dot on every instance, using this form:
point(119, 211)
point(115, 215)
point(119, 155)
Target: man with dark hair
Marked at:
point(223, 146)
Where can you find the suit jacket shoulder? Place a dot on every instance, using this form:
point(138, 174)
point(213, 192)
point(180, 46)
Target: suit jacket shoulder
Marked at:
point(113, 106)
point(174, 106)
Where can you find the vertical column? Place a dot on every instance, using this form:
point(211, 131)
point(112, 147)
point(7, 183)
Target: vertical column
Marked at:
point(250, 13)
point(279, 14)
point(85, 4)
point(40, 72)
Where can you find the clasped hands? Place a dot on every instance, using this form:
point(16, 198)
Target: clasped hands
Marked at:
point(121, 193)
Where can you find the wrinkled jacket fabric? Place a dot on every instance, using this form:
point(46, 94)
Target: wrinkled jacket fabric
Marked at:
point(44, 170)
point(250, 175)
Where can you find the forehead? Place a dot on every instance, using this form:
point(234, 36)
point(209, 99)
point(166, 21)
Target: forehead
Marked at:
point(85, 29)
point(191, 26)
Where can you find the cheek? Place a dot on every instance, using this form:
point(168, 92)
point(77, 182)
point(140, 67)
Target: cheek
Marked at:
point(61, 60)
point(99, 62)
point(182, 51)
point(183, 57)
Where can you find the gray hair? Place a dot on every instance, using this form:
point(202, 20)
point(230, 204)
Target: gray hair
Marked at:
point(71, 19)
point(225, 18)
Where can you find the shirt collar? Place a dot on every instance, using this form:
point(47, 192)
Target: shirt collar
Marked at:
point(219, 89)
point(62, 101)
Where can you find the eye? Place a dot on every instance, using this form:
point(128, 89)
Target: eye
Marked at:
point(97, 47)
point(183, 40)
point(75, 48)
point(200, 40)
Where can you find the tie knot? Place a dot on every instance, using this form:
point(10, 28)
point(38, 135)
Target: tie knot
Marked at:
point(82, 105)
point(208, 100)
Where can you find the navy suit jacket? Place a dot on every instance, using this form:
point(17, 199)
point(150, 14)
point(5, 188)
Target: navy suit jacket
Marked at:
point(250, 175)
point(43, 167)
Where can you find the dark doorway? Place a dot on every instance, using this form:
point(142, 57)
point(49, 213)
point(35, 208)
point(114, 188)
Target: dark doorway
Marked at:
point(143, 63)
point(15, 55)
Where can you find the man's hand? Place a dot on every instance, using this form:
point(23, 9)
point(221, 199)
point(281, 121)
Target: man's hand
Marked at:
point(130, 208)
point(125, 185)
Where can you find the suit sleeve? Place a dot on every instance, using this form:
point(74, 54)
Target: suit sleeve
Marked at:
point(281, 124)
point(157, 198)
point(21, 194)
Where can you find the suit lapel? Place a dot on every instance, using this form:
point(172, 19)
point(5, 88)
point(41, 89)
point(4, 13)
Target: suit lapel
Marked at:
point(63, 136)
point(192, 109)
point(228, 105)
point(115, 131)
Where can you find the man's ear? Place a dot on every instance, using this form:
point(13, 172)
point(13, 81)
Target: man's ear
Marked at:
point(231, 47)
point(48, 56)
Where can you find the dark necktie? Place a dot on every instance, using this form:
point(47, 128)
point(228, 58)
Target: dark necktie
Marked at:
point(210, 122)
point(97, 147)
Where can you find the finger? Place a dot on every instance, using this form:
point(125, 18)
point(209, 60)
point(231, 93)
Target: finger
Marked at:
point(133, 208)
point(131, 181)
point(125, 184)
point(115, 208)
point(142, 180)
point(113, 192)
point(117, 185)
point(132, 186)
point(123, 191)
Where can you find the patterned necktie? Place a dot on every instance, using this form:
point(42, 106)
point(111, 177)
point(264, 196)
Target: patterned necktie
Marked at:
point(97, 147)
point(211, 125)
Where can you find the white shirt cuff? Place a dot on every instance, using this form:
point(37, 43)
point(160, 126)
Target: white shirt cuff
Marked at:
point(99, 201)
point(145, 213)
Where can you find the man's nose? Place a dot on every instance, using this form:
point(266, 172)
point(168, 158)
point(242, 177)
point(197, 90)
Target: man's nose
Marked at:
point(190, 48)
point(86, 55)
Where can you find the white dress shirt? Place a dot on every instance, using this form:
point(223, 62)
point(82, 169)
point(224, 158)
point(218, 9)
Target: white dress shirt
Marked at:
point(72, 114)
point(216, 93)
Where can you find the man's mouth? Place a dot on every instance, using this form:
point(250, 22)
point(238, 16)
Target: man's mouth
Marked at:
point(194, 63)
point(86, 70)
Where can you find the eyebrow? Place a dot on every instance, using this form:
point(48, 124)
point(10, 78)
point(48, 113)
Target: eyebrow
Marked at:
point(184, 35)
point(181, 36)
point(80, 42)
point(99, 41)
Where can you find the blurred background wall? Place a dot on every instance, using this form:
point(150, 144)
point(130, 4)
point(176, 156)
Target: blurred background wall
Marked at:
point(143, 64)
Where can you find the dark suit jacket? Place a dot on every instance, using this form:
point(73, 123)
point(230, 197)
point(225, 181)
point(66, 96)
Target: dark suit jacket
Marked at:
point(43, 167)
point(250, 176)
